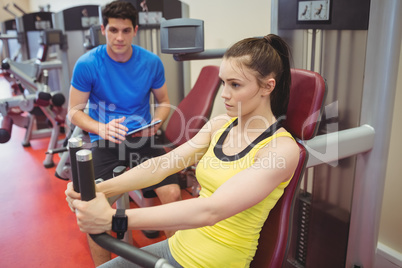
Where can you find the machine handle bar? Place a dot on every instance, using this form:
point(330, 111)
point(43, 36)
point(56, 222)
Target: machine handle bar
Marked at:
point(86, 179)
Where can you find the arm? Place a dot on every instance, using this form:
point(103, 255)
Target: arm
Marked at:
point(156, 169)
point(252, 185)
point(113, 131)
point(161, 112)
point(163, 103)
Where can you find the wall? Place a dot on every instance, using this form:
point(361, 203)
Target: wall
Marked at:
point(231, 20)
point(56, 6)
point(225, 23)
point(23, 4)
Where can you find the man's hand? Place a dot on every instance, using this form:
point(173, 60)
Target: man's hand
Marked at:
point(114, 130)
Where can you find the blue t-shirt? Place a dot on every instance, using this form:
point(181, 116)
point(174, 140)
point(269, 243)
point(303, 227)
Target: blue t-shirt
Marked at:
point(119, 89)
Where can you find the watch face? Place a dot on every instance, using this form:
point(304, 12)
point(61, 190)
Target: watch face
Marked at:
point(119, 224)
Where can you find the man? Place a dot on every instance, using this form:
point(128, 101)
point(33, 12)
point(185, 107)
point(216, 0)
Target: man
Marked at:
point(116, 80)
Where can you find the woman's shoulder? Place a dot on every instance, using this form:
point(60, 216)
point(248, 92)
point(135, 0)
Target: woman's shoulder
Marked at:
point(219, 121)
point(282, 144)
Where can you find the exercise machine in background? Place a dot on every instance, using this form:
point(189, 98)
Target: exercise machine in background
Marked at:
point(8, 36)
point(10, 48)
point(35, 105)
point(302, 120)
point(75, 24)
point(83, 32)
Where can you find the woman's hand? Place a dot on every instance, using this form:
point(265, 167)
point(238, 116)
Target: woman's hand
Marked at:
point(94, 216)
point(71, 195)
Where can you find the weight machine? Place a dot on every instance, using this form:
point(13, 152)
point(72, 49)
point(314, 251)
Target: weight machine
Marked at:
point(34, 97)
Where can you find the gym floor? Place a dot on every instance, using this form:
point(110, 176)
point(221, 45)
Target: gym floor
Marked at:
point(37, 228)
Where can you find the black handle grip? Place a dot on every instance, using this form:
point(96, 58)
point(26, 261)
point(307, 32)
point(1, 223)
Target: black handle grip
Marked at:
point(86, 174)
point(74, 145)
point(86, 179)
point(6, 126)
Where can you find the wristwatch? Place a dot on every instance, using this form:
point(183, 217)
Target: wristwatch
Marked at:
point(119, 223)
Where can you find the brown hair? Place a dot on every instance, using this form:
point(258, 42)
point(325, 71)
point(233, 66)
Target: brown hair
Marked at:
point(119, 10)
point(269, 55)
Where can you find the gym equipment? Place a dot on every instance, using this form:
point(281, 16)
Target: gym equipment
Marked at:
point(80, 26)
point(29, 28)
point(188, 118)
point(332, 180)
point(64, 169)
point(307, 96)
point(192, 46)
point(27, 105)
point(90, 36)
point(6, 124)
point(75, 23)
point(34, 95)
point(343, 191)
point(305, 107)
point(8, 37)
point(86, 179)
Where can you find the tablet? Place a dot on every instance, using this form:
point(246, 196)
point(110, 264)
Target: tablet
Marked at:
point(144, 127)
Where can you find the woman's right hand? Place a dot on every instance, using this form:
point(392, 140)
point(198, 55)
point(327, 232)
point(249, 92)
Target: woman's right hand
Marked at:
point(71, 195)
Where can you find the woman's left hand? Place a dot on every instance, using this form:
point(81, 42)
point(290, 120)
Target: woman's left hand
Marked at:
point(95, 216)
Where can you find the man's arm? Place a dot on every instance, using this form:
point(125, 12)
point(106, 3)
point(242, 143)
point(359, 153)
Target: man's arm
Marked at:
point(113, 131)
point(162, 104)
point(161, 112)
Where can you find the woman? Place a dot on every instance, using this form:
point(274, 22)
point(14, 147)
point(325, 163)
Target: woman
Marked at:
point(244, 159)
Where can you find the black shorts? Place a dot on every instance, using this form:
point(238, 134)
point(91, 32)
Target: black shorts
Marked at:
point(130, 153)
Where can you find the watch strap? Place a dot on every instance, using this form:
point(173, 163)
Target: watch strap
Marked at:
point(120, 212)
point(119, 223)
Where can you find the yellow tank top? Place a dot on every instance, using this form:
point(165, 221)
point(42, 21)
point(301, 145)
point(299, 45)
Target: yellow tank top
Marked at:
point(231, 242)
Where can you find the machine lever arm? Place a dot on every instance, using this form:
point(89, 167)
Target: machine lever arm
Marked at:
point(86, 180)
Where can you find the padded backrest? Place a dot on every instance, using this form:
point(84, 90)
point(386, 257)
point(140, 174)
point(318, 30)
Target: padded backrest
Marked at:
point(272, 244)
point(307, 96)
point(194, 110)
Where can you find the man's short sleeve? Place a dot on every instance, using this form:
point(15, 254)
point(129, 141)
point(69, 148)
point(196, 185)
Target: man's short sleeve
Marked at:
point(160, 79)
point(82, 74)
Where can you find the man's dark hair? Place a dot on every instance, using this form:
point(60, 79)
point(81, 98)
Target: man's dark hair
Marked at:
point(119, 10)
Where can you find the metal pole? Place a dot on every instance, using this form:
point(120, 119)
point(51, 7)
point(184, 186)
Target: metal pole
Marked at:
point(74, 145)
point(382, 59)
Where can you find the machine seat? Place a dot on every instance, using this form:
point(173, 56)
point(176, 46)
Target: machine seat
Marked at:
point(307, 96)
